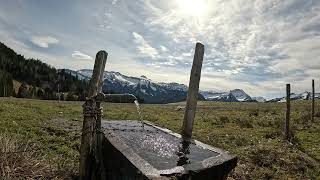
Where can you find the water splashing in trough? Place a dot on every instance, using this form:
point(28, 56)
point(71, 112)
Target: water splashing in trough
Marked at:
point(139, 112)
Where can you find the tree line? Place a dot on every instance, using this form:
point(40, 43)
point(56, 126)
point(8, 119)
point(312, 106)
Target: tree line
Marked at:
point(37, 79)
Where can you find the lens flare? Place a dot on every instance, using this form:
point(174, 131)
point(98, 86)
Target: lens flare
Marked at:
point(192, 7)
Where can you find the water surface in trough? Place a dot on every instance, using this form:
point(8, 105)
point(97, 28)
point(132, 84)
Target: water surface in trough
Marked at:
point(157, 147)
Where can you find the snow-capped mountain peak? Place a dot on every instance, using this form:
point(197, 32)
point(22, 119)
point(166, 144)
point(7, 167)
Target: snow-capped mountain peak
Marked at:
point(154, 92)
point(259, 99)
point(236, 95)
point(240, 95)
point(297, 96)
point(142, 87)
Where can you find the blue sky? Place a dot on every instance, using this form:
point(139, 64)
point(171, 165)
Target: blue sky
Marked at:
point(258, 46)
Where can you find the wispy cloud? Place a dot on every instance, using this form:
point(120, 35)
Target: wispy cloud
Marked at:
point(164, 49)
point(114, 2)
point(44, 41)
point(144, 47)
point(80, 55)
point(249, 42)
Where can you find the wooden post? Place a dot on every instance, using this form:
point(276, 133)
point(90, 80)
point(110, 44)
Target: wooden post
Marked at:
point(99, 136)
point(287, 130)
point(193, 91)
point(89, 136)
point(59, 86)
point(102, 71)
point(96, 79)
point(312, 105)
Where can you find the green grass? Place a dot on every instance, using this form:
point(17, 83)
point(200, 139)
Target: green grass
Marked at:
point(252, 131)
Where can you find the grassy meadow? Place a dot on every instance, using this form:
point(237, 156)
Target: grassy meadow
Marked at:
point(41, 139)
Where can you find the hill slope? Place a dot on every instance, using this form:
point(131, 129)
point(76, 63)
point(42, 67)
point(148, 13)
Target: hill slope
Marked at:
point(36, 74)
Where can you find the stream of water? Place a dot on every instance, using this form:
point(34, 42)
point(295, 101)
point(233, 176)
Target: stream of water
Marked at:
point(139, 112)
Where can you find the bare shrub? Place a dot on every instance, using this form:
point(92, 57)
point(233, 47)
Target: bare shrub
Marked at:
point(244, 122)
point(317, 114)
point(266, 121)
point(254, 112)
point(220, 122)
point(273, 134)
point(224, 119)
point(278, 123)
point(21, 160)
point(302, 118)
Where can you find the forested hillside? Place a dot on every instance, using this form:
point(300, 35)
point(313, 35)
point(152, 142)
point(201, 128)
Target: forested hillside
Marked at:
point(36, 79)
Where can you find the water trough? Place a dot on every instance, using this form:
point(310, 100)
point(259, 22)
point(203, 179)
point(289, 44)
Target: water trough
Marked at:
point(133, 153)
point(132, 149)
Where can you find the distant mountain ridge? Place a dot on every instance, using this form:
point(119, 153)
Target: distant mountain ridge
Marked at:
point(236, 95)
point(259, 99)
point(159, 92)
point(297, 96)
point(142, 87)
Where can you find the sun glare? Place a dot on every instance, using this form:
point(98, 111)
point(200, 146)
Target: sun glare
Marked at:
point(192, 7)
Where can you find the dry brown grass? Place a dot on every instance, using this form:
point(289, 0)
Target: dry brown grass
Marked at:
point(21, 160)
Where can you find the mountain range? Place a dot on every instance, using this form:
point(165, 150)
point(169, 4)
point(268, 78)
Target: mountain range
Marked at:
point(158, 92)
point(142, 87)
point(236, 95)
point(297, 96)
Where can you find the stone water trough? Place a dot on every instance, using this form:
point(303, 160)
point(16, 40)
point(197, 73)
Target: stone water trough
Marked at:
point(140, 150)
point(131, 152)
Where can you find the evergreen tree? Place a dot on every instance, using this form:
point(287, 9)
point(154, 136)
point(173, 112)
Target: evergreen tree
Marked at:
point(33, 92)
point(23, 91)
point(6, 84)
point(14, 94)
point(71, 97)
point(35, 73)
point(62, 97)
point(48, 94)
point(40, 93)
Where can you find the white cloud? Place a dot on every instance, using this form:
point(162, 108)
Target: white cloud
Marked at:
point(44, 41)
point(144, 47)
point(164, 49)
point(252, 44)
point(242, 32)
point(12, 42)
point(80, 55)
point(247, 41)
point(114, 2)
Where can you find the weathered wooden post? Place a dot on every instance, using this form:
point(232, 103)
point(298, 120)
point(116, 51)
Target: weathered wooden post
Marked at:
point(191, 105)
point(92, 122)
point(99, 166)
point(312, 105)
point(96, 79)
point(287, 130)
point(193, 92)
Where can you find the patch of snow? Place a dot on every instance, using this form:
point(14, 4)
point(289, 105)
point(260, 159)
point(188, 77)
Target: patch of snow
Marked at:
point(120, 78)
point(153, 88)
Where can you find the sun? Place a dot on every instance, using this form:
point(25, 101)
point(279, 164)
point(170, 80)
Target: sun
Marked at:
point(194, 8)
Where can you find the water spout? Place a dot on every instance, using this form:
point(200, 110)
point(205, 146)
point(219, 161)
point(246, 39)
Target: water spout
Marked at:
point(121, 95)
point(139, 112)
point(136, 102)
